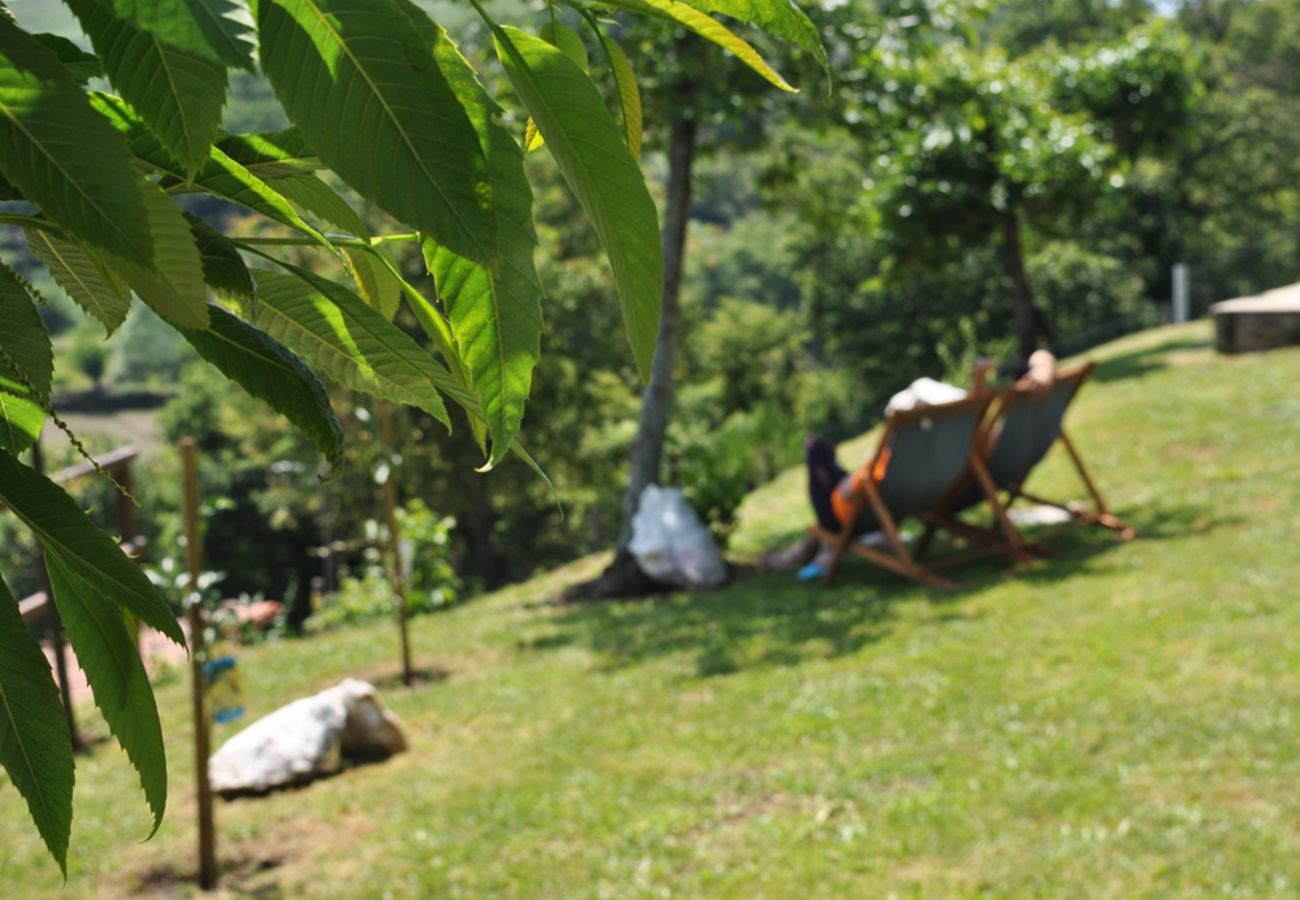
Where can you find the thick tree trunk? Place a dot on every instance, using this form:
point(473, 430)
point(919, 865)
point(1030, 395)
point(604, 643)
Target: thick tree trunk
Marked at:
point(624, 577)
point(1013, 260)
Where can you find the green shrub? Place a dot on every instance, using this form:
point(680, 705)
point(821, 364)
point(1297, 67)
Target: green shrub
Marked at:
point(89, 355)
point(718, 466)
point(432, 579)
point(431, 582)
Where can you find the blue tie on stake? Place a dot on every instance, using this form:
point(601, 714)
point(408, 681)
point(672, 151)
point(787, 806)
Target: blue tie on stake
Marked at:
point(223, 689)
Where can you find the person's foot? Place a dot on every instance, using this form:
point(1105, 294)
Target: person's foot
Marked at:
point(811, 572)
point(825, 553)
point(874, 539)
point(788, 559)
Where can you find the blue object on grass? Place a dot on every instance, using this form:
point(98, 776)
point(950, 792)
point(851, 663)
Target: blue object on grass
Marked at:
point(811, 572)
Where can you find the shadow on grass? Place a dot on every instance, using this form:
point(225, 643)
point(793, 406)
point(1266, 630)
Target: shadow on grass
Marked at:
point(307, 780)
point(246, 875)
point(87, 744)
point(774, 620)
point(757, 620)
point(1142, 362)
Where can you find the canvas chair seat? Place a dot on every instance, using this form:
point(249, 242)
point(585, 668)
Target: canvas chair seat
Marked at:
point(929, 449)
point(1024, 425)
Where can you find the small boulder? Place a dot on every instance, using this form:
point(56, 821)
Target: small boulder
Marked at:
point(305, 740)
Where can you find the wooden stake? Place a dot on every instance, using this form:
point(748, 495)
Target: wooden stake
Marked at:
point(395, 543)
point(202, 722)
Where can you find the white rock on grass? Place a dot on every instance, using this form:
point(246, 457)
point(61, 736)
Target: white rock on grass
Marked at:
point(307, 739)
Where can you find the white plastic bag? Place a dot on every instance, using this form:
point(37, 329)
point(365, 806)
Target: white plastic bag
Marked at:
point(671, 544)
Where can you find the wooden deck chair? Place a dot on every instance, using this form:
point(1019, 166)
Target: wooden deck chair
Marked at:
point(922, 452)
point(1024, 425)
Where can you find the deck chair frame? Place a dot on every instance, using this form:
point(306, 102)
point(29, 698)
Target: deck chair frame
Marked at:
point(901, 560)
point(1004, 536)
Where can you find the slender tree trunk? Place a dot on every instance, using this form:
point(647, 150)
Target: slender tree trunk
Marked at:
point(1013, 260)
point(623, 576)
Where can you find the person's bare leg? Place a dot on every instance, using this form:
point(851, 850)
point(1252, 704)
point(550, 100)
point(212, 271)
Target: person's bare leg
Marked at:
point(793, 557)
point(824, 554)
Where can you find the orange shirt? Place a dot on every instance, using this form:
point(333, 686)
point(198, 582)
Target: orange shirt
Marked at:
point(842, 500)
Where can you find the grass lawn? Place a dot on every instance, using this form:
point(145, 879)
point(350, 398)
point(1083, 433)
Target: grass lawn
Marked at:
point(1122, 721)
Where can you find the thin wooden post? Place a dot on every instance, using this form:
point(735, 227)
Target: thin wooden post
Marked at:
point(56, 622)
point(202, 722)
point(395, 543)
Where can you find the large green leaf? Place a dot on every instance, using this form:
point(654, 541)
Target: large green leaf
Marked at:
point(253, 360)
point(375, 281)
point(106, 652)
point(708, 28)
point(439, 331)
point(21, 417)
point(272, 154)
point(95, 288)
point(435, 325)
point(68, 535)
point(179, 95)
point(779, 17)
point(62, 156)
point(82, 66)
point(223, 268)
point(8, 191)
point(93, 582)
point(219, 175)
point(559, 35)
point(35, 747)
point(26, 365)
point(340, 336)
point(629, 95)
point(496, 314)
point(317, 199)
point(366, 92)
point(585, 141)
point(219, 30)
point(174, 287)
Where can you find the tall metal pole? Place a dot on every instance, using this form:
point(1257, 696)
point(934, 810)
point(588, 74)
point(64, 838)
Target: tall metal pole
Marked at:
point(202, 722)
point(395, 542)
point(56, 622)
point(1181, 294)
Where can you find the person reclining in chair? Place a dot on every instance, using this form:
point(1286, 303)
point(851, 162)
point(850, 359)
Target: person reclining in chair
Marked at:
point(831, 488)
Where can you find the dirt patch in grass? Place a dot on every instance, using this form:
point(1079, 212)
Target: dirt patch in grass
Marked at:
point(247, 868)
point(275, 862)
point(387, 676)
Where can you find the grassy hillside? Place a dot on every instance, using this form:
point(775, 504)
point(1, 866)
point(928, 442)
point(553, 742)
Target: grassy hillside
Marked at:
point(1117, 722)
